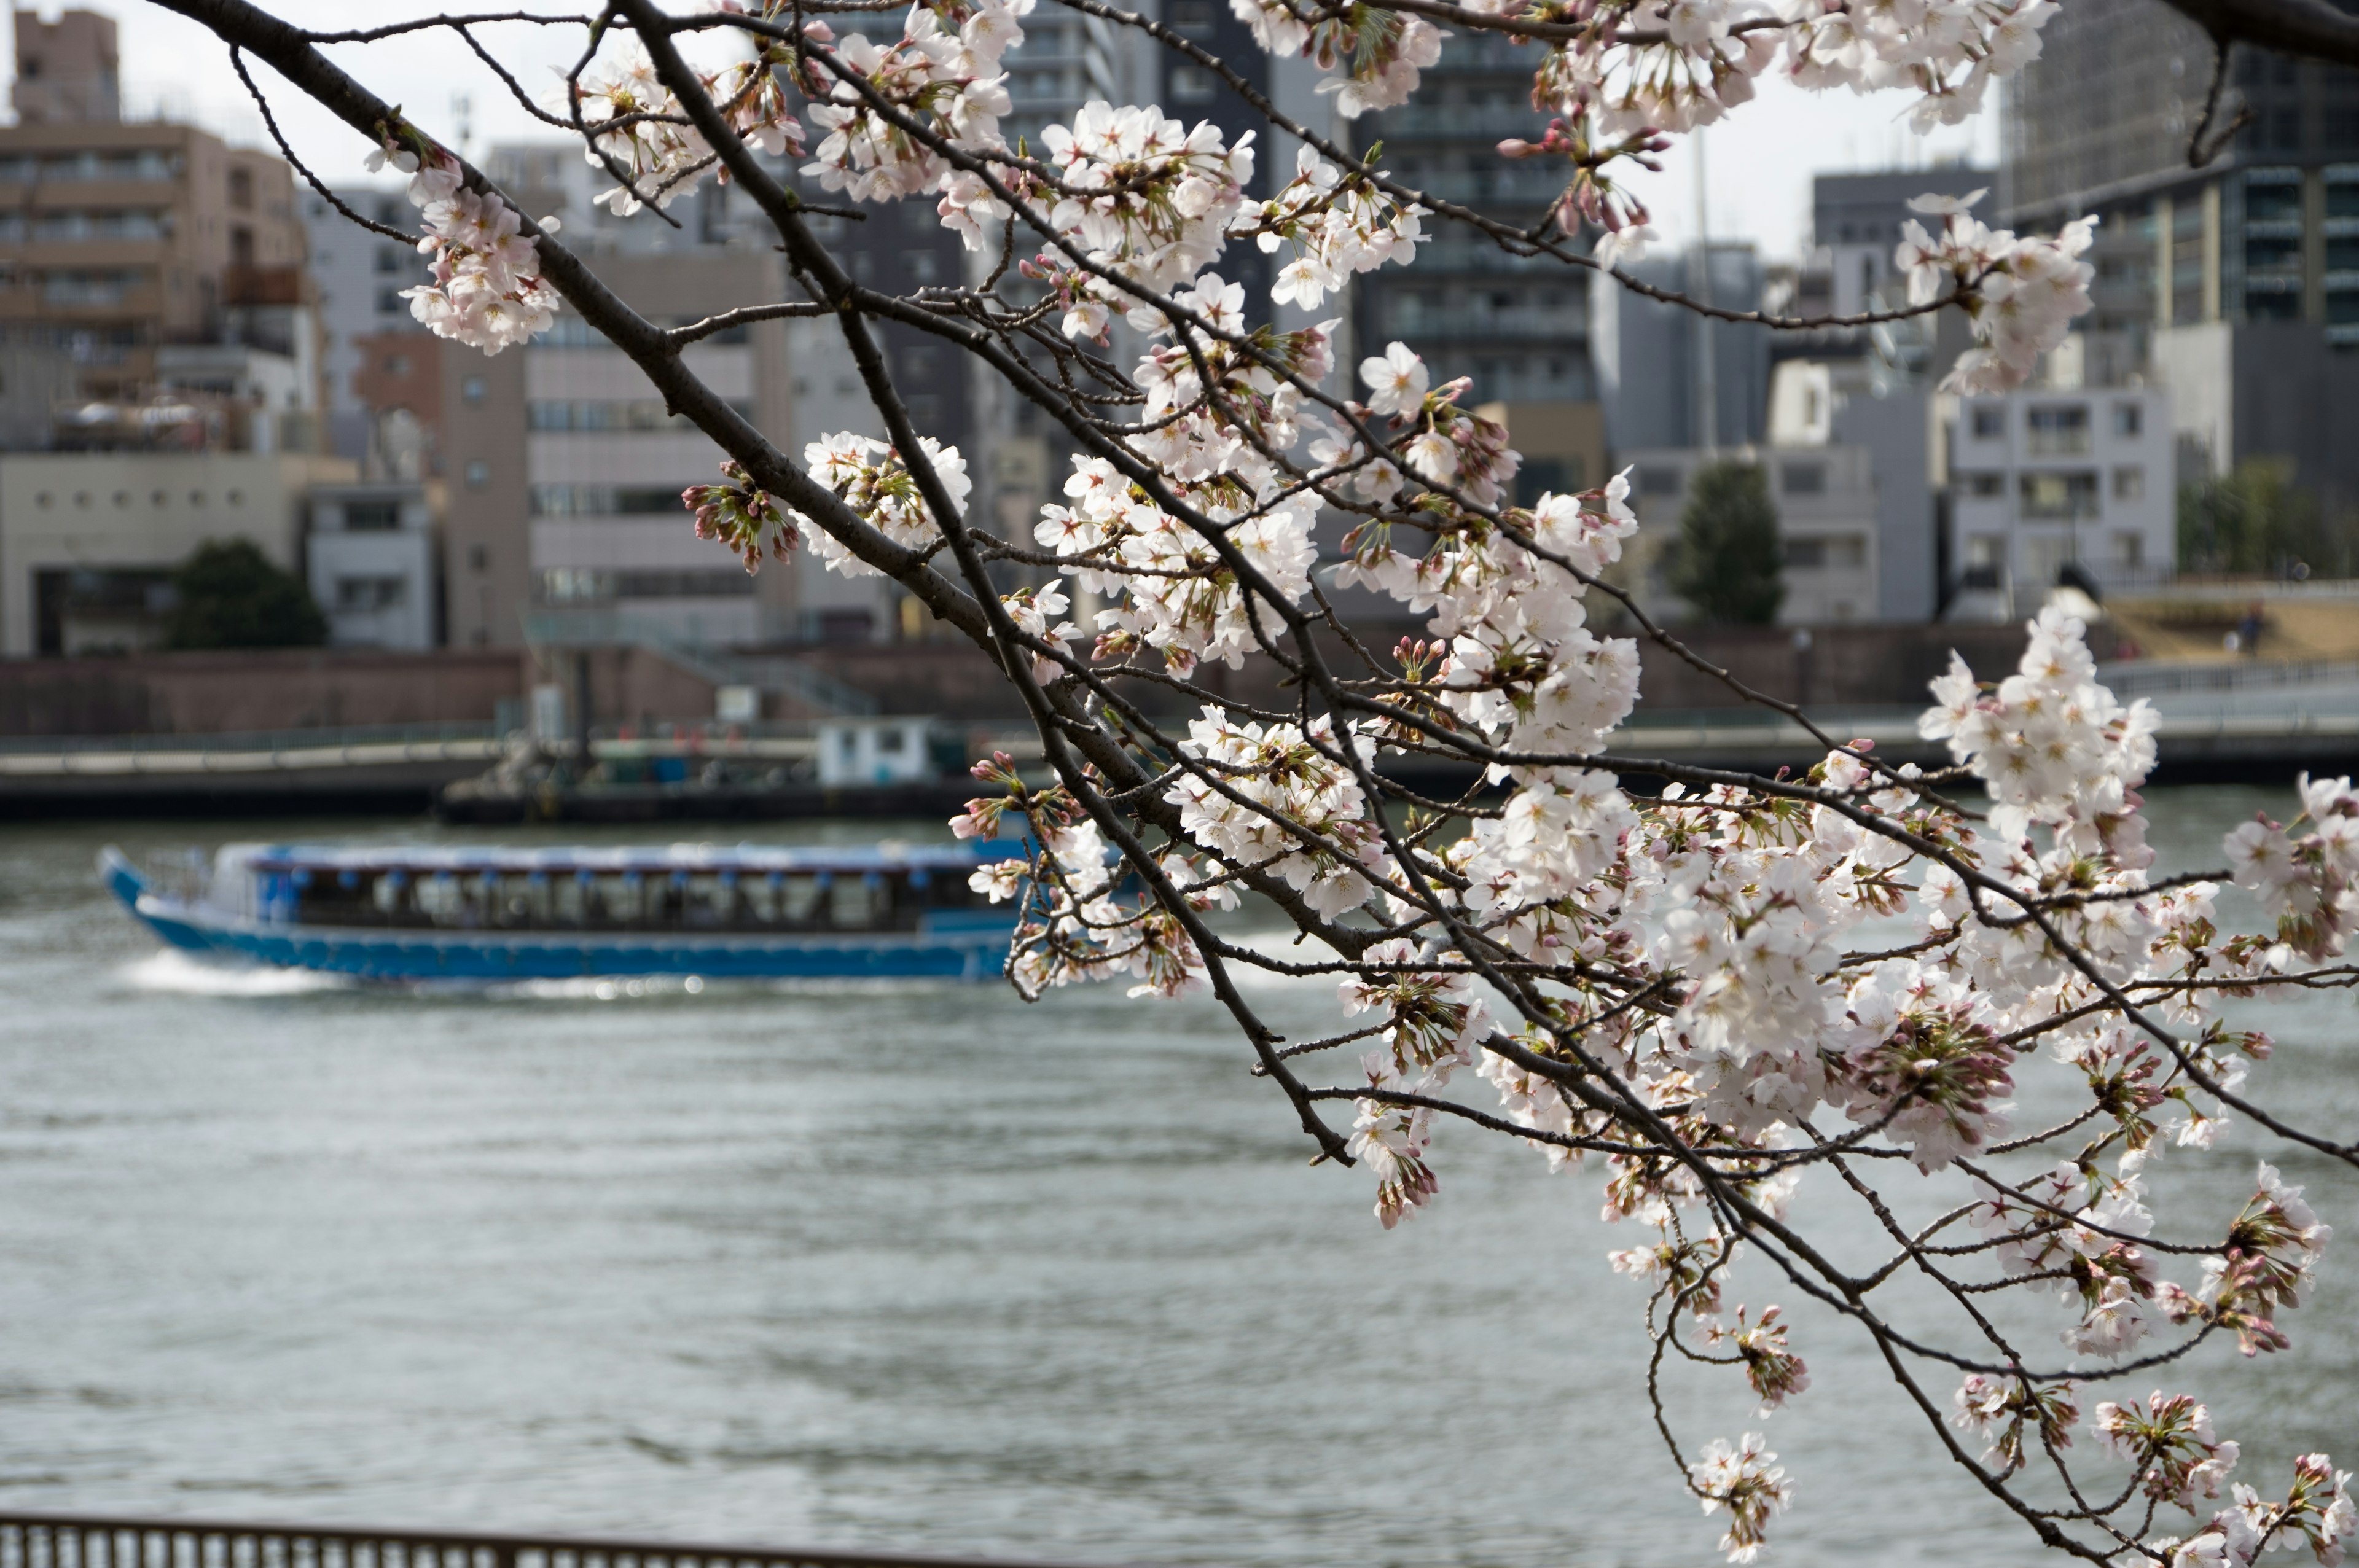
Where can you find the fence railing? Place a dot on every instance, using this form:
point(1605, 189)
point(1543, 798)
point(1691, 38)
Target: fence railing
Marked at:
point(2161, 678)
point(91, 1541)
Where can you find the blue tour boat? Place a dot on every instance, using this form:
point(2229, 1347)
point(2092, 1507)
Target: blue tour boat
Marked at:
point(429, 913)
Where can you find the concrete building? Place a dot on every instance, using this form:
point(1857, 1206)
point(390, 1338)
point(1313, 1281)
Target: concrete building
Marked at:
point(564, 471)
point(1857, 220)
point(1827, 516)
point(1823, 404)
point(369, 555)
point(1650, 364)
point(1519, 327)
point(89, 541)
point(2041, 479)
point(67, 71)
point(359, 278)
point(2237, 279)
point(125, 244)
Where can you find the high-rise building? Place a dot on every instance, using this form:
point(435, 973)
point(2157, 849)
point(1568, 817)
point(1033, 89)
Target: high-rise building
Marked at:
point(1670, 377)
point(1519, 326)
point(2236, 283)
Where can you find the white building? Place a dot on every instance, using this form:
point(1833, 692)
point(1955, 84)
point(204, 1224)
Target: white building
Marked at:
point(2041, 478)
point(89, 540)
point(370, 558)
point(360, 276)
point(1826, 502)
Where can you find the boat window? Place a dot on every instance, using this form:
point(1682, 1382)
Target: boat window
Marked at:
point(438, 898)
point(625, 897)
point(802, 895)
point(712, 900)
point(855, 901)
point(570, 900)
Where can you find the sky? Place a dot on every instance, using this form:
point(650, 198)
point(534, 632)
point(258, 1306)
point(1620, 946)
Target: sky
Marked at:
point(1759, 163)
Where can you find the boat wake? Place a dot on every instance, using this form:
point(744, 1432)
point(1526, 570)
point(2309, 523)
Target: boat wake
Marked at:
point(185, 974)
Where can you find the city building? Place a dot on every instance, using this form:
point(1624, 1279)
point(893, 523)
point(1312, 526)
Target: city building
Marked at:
point(360, 276)
point(369, 554)
point(1856, 221)
point(89, 541)
point(1827, 517)
point(1652, 365)
point(1521, 326)
point(163, 264)
point(2237, 283)
point(2044, 479)
point(563, 471)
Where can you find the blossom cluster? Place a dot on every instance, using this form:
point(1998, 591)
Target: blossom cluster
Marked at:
point(942, 73)
point(486, 290)
point(638, 129)
point(2020, 292)
point(874, 481)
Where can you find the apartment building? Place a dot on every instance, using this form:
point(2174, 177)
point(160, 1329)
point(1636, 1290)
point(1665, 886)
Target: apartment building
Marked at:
point(2041, 479)
point(1519, 326)
point(564, 471)
point(164, 267)
point(2235, 284)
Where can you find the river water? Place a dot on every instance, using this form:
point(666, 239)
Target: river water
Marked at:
point(907, 1267)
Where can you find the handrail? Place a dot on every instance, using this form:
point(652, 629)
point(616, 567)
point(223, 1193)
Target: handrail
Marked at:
point(30, 1539)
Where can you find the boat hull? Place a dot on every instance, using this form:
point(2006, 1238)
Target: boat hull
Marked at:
point(960, 949)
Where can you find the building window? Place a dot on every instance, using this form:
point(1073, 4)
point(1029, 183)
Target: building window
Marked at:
point(1990, 421)
point(389, 302)
point(2130, 484)
point(1803, 479)
point(479, 474)
point(2129, 420)
point(373, 514)
point(1193, 18)
point(2129, 549)
point(365, 594)
point(2060, 430)
point(1985, 561)
point(2053, 497)
point(241, 190)
point(1658, 482)
point(392, 260)
point(1986, 486)
point(1193, 85)
point(1838, 552)
point(471, 390)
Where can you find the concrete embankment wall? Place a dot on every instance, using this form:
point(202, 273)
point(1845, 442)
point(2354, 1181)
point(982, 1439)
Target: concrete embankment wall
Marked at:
point(309, 688)
point(264, 689)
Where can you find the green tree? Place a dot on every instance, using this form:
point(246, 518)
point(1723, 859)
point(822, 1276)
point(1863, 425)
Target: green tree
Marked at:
point(230, 595)
point(2257, 522)
point(1728, 562)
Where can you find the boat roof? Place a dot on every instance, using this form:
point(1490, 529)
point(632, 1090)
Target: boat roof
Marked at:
point(886, 856)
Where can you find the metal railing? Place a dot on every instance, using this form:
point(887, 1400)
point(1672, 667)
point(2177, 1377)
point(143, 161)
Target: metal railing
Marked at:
point(255, 740)
point(94, 1540)
point(2161, 678)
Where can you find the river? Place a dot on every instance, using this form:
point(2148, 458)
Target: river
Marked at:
point(906, 1267)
